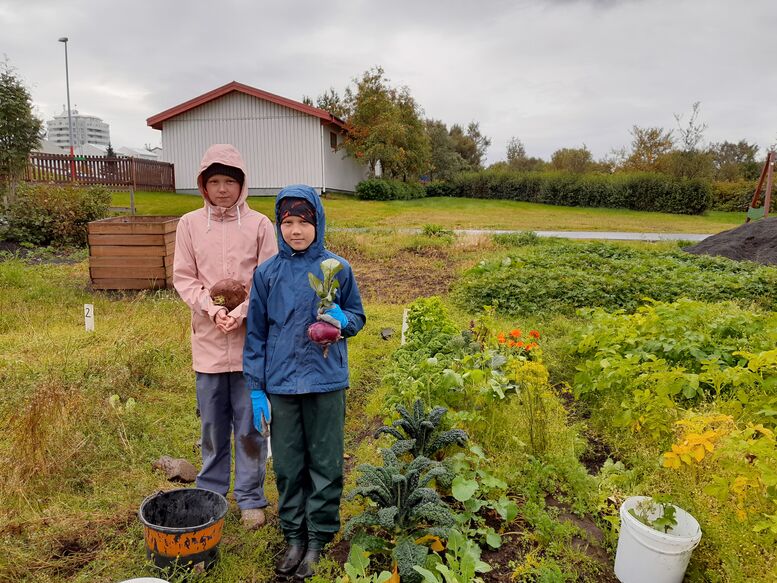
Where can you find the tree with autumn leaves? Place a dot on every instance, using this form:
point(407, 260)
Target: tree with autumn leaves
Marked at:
point(386, 128)
point(384, 125)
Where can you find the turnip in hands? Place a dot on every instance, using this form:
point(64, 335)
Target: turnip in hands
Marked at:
point(324, 332)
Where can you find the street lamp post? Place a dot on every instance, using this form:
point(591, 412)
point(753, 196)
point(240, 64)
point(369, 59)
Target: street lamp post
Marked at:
point(69, 117)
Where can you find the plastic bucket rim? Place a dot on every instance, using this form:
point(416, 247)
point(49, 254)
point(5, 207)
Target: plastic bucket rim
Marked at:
point(657, 534)
point(180, 529)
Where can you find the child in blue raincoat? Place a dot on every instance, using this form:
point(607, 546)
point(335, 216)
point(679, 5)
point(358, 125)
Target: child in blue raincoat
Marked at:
point(305, 388)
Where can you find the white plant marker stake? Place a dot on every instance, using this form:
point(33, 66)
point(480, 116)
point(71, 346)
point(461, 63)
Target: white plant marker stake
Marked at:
point(404, 325)
point(89, 317)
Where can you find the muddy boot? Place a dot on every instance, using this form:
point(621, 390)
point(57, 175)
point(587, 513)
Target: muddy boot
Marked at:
point(291, 559)
point(309, 561)
point(252, 518)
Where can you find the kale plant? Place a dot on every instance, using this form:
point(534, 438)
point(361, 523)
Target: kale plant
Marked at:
point(403, 508)
point(421, 433)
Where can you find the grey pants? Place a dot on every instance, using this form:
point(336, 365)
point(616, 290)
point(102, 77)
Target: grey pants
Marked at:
point(225, 408)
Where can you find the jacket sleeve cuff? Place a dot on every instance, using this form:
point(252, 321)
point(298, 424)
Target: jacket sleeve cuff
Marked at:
point(253, 384)
point(240, 312)
point(352, 328)
point(213, 309)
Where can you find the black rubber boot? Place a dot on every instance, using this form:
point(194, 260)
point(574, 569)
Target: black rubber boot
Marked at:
point(291, 560)
point(309, 561)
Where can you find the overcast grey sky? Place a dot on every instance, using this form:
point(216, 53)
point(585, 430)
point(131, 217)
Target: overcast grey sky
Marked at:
point(555, 73)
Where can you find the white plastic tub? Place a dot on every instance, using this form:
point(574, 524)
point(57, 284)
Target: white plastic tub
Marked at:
point(646, 555)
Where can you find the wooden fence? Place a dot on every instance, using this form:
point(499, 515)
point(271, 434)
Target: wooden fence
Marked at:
point(118, 172)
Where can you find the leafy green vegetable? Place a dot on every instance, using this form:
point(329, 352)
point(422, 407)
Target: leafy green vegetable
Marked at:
point(424, 430)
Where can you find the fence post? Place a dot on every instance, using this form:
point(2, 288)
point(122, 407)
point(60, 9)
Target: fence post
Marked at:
point(133, 186)
point(132, 171)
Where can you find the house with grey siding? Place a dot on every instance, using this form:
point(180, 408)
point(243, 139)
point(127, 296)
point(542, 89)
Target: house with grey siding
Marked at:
point(282, 141)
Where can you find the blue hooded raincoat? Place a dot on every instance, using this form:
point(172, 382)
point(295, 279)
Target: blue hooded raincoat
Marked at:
point(278, 356)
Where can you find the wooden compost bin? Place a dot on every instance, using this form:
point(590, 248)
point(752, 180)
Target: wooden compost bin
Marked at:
point(132, 252)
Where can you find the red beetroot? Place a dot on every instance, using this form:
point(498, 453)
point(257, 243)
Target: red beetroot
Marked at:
point(323, 334)
point(228, 293)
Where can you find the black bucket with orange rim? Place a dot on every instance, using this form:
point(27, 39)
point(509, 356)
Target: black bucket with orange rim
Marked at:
point(183, 526)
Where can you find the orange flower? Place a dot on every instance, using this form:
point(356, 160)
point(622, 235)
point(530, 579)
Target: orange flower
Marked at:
point(519, 344)
point(510, 343)
point(501, 338)
point(516, 333)
point(529, 346)
point(534, 334)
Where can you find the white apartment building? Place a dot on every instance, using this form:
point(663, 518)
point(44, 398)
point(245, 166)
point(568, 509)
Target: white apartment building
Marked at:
point(87, 129)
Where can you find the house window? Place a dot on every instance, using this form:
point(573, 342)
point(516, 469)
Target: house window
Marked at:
point(333, 140)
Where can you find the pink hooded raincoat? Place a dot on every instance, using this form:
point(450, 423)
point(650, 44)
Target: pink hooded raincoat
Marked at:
point(211, 244)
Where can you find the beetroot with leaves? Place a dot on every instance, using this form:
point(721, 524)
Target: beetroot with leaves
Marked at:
point(324, 333)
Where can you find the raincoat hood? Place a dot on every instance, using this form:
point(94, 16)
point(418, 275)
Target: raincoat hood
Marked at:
point(309, 194)
point(228, 155)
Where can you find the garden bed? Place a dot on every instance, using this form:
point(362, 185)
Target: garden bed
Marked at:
point(85, 414)
point(132, 252)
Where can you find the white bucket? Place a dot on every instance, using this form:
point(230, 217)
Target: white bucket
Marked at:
point(646, 555)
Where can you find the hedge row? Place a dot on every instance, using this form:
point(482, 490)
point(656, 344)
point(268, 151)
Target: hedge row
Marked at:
point(381, 189)
point(638, 191)
point(736, 196)
point(49, 214)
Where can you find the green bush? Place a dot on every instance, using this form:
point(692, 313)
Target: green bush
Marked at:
point(50, 214)
point(736, 196)
point(637, 191)
point(554, 276)
point(732, 196)
point(382, 189)
point(438, 188)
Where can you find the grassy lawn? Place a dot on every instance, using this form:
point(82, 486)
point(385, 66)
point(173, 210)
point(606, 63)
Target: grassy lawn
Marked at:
point(464, 213)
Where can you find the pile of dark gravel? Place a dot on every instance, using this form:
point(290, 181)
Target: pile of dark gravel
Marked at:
point(755, 241)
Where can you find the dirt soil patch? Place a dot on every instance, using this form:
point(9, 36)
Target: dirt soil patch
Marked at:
point(411, 273)
point(403, 278)
point(755, 241)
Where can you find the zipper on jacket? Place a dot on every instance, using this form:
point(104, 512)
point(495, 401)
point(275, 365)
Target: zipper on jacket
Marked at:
point(224, 275)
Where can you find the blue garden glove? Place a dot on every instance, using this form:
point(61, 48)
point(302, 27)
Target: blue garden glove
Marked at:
point(334, 316)
point(262, 414)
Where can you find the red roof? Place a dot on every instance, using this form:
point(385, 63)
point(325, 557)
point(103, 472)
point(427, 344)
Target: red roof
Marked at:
point(157, 120)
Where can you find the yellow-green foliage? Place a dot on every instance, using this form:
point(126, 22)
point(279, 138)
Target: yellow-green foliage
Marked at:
point(694, 387)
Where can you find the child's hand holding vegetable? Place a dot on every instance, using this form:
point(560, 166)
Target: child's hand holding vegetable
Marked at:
point(225, 322)
point(334, 316)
